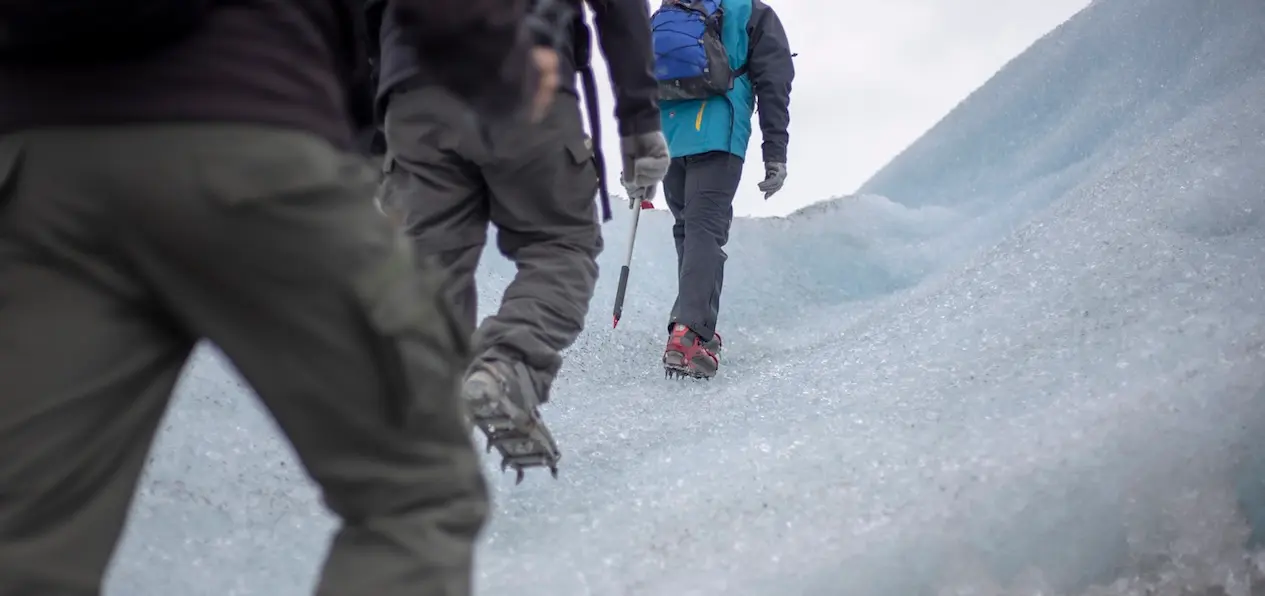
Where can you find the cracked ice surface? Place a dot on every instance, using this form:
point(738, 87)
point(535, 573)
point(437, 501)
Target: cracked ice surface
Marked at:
point(1028, 359)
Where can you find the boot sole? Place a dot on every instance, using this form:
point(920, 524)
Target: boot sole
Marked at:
point(676, 367)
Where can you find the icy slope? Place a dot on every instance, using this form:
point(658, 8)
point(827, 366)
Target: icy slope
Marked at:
point(1055, 388)
point(1085, 95)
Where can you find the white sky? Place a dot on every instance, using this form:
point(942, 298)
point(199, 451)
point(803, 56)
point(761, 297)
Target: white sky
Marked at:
point(871, 77)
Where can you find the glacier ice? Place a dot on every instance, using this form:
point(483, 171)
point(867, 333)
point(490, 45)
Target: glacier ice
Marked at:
point(1027, 358)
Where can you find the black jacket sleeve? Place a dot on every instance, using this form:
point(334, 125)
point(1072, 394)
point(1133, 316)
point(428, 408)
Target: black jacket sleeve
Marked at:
point(772, 72)
point(623, 30)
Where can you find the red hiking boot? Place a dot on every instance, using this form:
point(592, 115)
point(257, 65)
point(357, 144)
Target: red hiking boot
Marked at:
point(687, 356)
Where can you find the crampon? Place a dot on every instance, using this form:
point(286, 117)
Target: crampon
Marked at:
point(686, 356)
point(676, 371)
point(512, 427)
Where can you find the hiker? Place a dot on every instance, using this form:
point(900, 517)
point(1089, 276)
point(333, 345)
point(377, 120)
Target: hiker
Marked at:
point(183, 174)
point(707, 121)
point(446, 179)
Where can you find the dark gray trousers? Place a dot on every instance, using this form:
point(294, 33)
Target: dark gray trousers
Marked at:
point(700, 193)
point(447, 180)
point(121, 247)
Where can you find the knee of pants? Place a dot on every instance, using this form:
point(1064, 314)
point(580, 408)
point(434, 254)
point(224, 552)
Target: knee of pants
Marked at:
point(445, 478)
point(703, 222)
point(455, 268)
point(707, 234)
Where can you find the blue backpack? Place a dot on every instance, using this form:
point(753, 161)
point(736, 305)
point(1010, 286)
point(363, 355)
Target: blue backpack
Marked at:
point(690, 61)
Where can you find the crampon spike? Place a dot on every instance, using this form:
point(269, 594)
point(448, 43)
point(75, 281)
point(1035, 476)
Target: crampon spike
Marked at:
point(519, 478)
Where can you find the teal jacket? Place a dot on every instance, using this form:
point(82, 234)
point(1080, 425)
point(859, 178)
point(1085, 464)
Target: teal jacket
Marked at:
point(755, 38)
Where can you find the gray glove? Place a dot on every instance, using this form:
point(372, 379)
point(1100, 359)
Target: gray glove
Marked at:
point(636, 195)
point(774, 178)
point(646, 161)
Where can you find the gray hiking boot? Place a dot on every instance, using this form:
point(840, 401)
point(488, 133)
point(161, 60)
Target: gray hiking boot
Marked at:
point(503, 404)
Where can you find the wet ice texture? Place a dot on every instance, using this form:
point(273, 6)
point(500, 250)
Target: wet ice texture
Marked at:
point(1027, 359)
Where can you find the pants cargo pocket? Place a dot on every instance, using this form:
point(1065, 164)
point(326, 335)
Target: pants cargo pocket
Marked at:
point(580, 150)
point(419, 349)
point(578, 185)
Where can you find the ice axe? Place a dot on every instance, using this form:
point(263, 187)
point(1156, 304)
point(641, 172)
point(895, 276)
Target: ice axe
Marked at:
point(637, 204)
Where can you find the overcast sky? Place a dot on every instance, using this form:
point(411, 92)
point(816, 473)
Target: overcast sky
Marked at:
point(871, 77)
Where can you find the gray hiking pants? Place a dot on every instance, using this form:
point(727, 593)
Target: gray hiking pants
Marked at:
point(700, 190)
point(121, 247)
point(446, 180)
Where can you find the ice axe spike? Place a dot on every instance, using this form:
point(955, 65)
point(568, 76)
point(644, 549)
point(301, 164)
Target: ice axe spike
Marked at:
point(619, 294)
point(637, 207)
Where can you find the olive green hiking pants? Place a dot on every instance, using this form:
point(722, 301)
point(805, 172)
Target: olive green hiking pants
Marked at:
point(446, 181)
point(122, 247)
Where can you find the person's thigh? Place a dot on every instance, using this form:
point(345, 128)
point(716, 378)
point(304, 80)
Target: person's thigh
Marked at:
point(276, 253)
point(88, 360)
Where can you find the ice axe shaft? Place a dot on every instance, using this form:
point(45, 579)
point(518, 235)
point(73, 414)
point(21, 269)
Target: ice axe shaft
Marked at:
point(637, 207)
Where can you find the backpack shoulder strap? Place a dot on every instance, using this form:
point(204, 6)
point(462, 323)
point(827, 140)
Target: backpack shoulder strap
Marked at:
point(583, 56)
